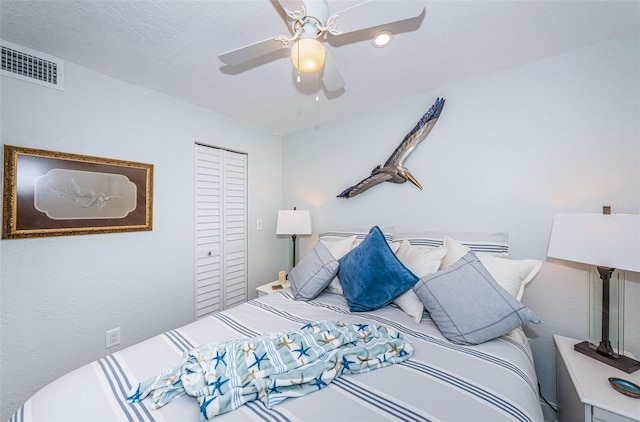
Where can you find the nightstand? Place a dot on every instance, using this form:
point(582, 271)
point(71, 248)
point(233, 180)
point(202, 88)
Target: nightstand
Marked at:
point(267, 289)
point(583, 389)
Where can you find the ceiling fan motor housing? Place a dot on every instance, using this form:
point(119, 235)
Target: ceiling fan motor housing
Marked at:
point(315, 17)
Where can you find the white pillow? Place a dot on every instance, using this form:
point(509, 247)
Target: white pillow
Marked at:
point(338, 249)
point(421, 262)
point(410, 303)
point(455, 251)
point(511, 274)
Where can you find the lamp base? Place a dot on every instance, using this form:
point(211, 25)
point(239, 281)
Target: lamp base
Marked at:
point(623, 363)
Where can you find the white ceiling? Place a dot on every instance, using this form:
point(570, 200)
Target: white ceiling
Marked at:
point(173, 46)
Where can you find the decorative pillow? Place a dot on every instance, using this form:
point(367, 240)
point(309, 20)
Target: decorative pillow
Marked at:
point(371, 275)
point(342, 241)
point(313, 273)
point(512, 274)
point(338, 247)
point(468, 305)
point(421, 262)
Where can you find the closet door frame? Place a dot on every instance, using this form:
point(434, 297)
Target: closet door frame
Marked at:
point(221, 229)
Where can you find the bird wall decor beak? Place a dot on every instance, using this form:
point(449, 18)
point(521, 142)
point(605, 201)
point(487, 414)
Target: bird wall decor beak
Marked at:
point(393, 169)
point(412, 179)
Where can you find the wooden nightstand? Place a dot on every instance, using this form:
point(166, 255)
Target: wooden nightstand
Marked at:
point(267, 289)
point(583, 389)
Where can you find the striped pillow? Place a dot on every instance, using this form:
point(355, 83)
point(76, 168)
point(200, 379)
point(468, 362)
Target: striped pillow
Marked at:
point(496, 244)
point(360, 234)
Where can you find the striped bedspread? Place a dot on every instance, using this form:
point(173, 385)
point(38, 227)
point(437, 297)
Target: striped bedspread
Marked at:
point(441, 381)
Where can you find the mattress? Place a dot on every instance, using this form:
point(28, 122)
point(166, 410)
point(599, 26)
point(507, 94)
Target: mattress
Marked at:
point(492, 381)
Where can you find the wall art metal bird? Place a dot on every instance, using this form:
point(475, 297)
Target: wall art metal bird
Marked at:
point(393, 169)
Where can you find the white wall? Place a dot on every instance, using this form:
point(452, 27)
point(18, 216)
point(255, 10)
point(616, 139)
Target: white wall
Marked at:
point(510, 149)
point(59, 295)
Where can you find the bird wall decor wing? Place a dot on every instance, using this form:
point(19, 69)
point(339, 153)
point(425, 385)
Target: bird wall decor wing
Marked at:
point(393, 169)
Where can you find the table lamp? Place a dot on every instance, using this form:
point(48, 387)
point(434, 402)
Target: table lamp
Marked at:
point(293, 222)
point(610, 242)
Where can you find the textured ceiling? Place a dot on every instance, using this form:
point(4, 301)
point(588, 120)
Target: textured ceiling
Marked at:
point(172, 47)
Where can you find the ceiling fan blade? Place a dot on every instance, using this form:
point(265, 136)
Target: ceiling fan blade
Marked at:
point(331, 76)
point(251, 51)
point(375, 13)
point(290, 4)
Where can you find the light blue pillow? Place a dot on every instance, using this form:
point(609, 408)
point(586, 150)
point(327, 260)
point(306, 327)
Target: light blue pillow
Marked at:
point(313, 274)
point(468, 305)
point(371, 274)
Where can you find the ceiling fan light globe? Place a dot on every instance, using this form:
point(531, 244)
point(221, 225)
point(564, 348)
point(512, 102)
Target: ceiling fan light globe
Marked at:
point(307, 55)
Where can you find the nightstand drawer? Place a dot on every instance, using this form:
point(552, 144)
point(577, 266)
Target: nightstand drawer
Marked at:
point(600, 415)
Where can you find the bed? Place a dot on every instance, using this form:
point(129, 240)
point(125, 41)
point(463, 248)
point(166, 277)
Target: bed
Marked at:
point(441, 379)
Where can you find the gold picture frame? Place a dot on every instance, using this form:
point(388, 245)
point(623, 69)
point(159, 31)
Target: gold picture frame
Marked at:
point(51, 193)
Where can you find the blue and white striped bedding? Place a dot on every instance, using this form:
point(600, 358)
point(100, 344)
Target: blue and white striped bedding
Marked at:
point(442, 381)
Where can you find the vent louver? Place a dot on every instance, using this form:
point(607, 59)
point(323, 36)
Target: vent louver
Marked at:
point(31, 66)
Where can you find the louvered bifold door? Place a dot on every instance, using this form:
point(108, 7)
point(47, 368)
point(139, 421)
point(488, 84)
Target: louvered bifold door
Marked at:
point(208, 230)
point(235, 228)
point(221, 229)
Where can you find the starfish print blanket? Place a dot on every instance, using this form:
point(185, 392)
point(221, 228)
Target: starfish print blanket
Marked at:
point(274, 367)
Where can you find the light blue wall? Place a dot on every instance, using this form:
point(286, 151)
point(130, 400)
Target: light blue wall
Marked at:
point(59, 295)
point(510, 149)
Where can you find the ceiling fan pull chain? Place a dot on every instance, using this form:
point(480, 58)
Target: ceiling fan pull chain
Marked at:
point(298, 66)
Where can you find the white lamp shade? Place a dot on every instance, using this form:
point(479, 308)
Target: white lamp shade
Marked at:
point(608, 240)
point(296, 222)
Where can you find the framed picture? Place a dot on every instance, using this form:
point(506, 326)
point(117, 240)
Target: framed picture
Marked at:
point(50, 193)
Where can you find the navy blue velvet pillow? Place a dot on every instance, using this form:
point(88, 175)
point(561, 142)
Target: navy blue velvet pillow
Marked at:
point(371, 275)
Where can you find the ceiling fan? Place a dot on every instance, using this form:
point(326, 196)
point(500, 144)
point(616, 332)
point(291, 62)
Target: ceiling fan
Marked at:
point(310, 22)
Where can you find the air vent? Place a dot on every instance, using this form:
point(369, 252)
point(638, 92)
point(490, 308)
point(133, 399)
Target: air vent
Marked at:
point(32, 66)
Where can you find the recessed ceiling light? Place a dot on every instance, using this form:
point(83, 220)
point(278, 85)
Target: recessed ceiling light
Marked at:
point(382, 39)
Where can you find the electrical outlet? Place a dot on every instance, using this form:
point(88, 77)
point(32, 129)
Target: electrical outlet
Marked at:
point(112, 337)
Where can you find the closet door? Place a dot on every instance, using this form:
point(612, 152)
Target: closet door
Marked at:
point(221, 229)
point(234, 218)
